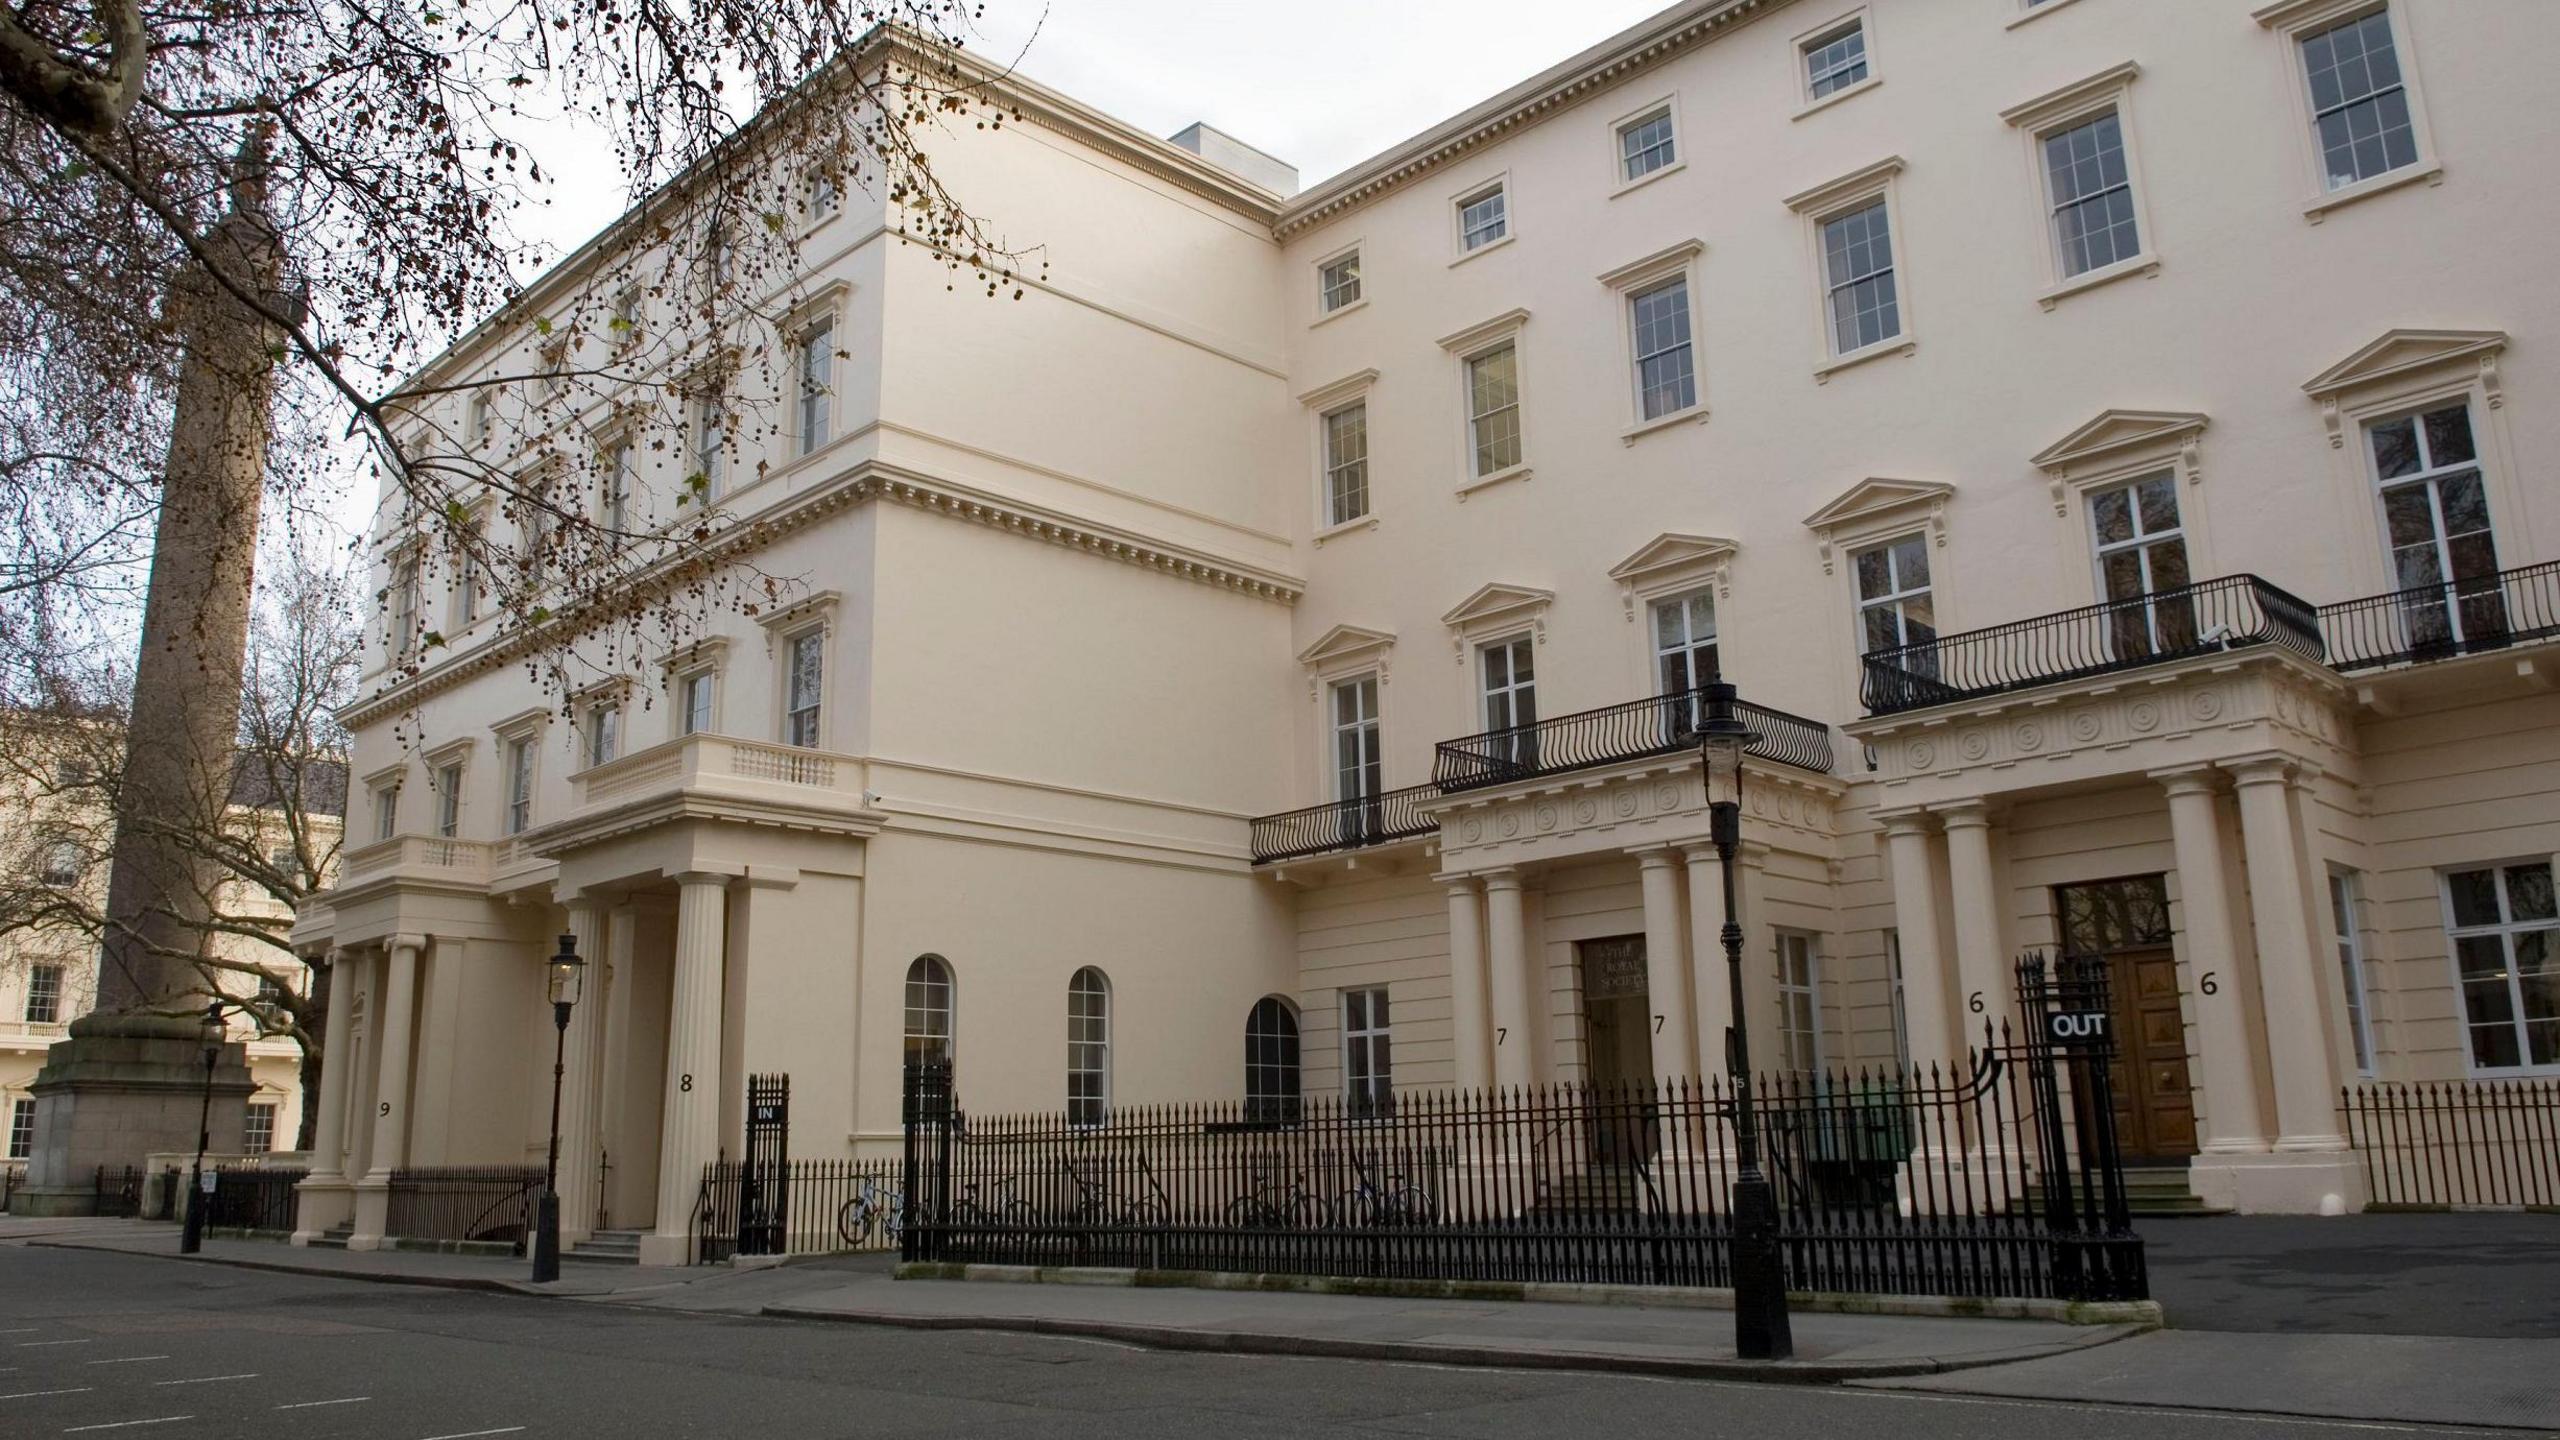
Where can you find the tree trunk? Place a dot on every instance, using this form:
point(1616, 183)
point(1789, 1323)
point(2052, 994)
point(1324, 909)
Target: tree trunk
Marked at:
point(186, 682)
point(312, 1013)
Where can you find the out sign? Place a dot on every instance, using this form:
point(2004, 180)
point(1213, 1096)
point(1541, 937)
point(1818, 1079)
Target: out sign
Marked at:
point(2076, 1027)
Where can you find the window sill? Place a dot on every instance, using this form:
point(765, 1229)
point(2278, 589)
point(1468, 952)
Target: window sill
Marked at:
point(1898, 345)
point(1647, 178)
point(2146, 265)
point(2428, 170)
point(1336, 313)
point(1487, 482)
point(2035, 13)
point(1484, 249)
point(1365, 522)
point(1836, 96)
point(1693, 415)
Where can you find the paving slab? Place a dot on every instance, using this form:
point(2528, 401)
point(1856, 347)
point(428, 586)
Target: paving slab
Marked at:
point(2428, 1380)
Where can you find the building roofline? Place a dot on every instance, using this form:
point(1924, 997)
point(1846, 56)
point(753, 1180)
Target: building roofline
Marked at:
point(1639, 47)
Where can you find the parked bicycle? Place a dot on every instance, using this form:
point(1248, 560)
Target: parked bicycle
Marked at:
point(1397, 1202)
point(1097, 1204)
point(1275, 1205)
point(875, 1213)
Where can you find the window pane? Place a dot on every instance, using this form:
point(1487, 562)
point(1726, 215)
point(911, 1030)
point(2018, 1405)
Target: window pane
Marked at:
point(2475, 897)
point(2395, 448)
point(2529, 892)
point(1875, 574)
point(2168, 565)
point(2449, 436)
point(2112, 512)
point(1911, 563)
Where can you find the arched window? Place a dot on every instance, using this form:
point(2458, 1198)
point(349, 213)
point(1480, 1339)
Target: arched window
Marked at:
point(1271, 1060)
point(929, 1010)
point(1088, 1048)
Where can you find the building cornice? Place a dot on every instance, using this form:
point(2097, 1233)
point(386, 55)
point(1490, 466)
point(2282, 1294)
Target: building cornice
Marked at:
point(871, 481)
point(1625, 54)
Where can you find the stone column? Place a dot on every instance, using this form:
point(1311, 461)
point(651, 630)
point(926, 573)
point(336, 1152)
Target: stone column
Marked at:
point(579, 1054)
point(2289, 967)
point(1507, 930)
point(689, 1136)
point(2233, 1099)
point(1471, 1034)
point(1982, 965)
point(398, 1003)
point(1936, 1038)
point(1708, 979)
point(615, 1102)
point(1666, 968)
point(323, 1199)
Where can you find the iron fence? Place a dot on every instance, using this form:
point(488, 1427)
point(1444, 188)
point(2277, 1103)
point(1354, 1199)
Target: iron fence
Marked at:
point(2231, 613)
point(488, 1204)
point(118, 1189)
point(1999, 1181)
point(254, 1196)
point(2435, 622)
point(801, 1207)
point(1634, 730)
point(2443, 1145)
point(1342, 825)
point(13, 1177)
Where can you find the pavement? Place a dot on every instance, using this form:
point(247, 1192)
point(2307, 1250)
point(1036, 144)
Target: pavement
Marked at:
point(2396, 1320)
point(99, 1343)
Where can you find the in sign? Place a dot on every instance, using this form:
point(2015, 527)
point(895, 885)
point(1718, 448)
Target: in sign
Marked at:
point(2076, 1027)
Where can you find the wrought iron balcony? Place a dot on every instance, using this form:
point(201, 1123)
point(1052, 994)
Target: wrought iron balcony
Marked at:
point(2232, 613)
point(1634, 730)
point(1342, 825)
point(2437, 622)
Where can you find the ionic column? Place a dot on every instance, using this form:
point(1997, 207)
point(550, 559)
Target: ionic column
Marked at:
point(578, 1099)
point(390, 1149)
point(1709, 981)
point(1507, 930)
point(2289, 971)
point(1470, 1032)
point(689, 1135)
point(2232, 1097)
point(1982, 966)
point(1933, 1031)
point(1666, 967)
point(337, 1044)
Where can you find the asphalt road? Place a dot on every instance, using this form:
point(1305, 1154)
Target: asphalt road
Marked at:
point(115, 1346)
point(2478, 1274)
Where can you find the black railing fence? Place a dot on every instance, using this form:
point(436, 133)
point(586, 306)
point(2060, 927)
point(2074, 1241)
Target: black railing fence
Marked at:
point(2433, 622)
point(2442, 1145)
point(808, 1207)
point(489, 1204)
point(1342, 825)
point(254, 1196)
point(2000, 1181)
point(119, 1190)
point(2233, 612)
point(1634, 730)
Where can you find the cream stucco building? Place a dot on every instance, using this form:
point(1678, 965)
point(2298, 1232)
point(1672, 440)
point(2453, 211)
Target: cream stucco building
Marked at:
point(2038, 406)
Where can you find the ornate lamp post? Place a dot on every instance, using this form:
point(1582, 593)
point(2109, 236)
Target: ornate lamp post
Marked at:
point(191, 1236)
point(1760, 1329)
point(567, 972)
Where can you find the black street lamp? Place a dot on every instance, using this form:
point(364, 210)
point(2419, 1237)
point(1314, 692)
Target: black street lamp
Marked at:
point(1760, 1329)
point(191, 1235)
point(567, 970)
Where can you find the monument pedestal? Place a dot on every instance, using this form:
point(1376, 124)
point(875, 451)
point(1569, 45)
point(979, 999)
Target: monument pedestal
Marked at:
point(122, 1087)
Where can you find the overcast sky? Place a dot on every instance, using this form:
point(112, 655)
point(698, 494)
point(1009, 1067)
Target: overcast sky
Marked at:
point(1322, 84)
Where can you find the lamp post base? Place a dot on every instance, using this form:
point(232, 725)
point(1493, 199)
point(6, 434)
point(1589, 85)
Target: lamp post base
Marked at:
point(191, 1237)
point(1760, 1327)
point(546, 1239)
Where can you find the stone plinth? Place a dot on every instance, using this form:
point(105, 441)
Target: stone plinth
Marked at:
point(121, 1088)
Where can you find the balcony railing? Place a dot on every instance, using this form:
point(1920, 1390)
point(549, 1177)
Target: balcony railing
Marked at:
point(1660, 725)
point(726, 763)
point(1342, 825)
point(437, 854)
point(2436, 622)
point(2232, 613)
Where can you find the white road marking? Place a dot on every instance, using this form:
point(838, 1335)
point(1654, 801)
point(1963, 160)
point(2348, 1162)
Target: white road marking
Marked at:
point(2248, 1417)
point(209, 1379)
point(309, 1404)
point(32, 1344)
point(31, 1394)
point(21, 1330)
point(469, 1434)
point(129, 1424)
point(125, 1360)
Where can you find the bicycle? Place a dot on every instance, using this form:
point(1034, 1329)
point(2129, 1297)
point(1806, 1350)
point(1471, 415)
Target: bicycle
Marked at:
point(1399, 1202)
point(1293, 1208)
point(1094, 1204)
point(874, 1212)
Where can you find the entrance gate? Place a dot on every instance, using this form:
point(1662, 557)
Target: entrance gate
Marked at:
point(764, 1190)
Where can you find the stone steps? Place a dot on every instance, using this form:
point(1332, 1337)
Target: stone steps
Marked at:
point(607, 1247)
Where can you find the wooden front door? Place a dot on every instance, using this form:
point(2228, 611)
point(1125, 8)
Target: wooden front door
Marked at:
point(2127, 921)
point(2154, 1093)
point(1617, 1010)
